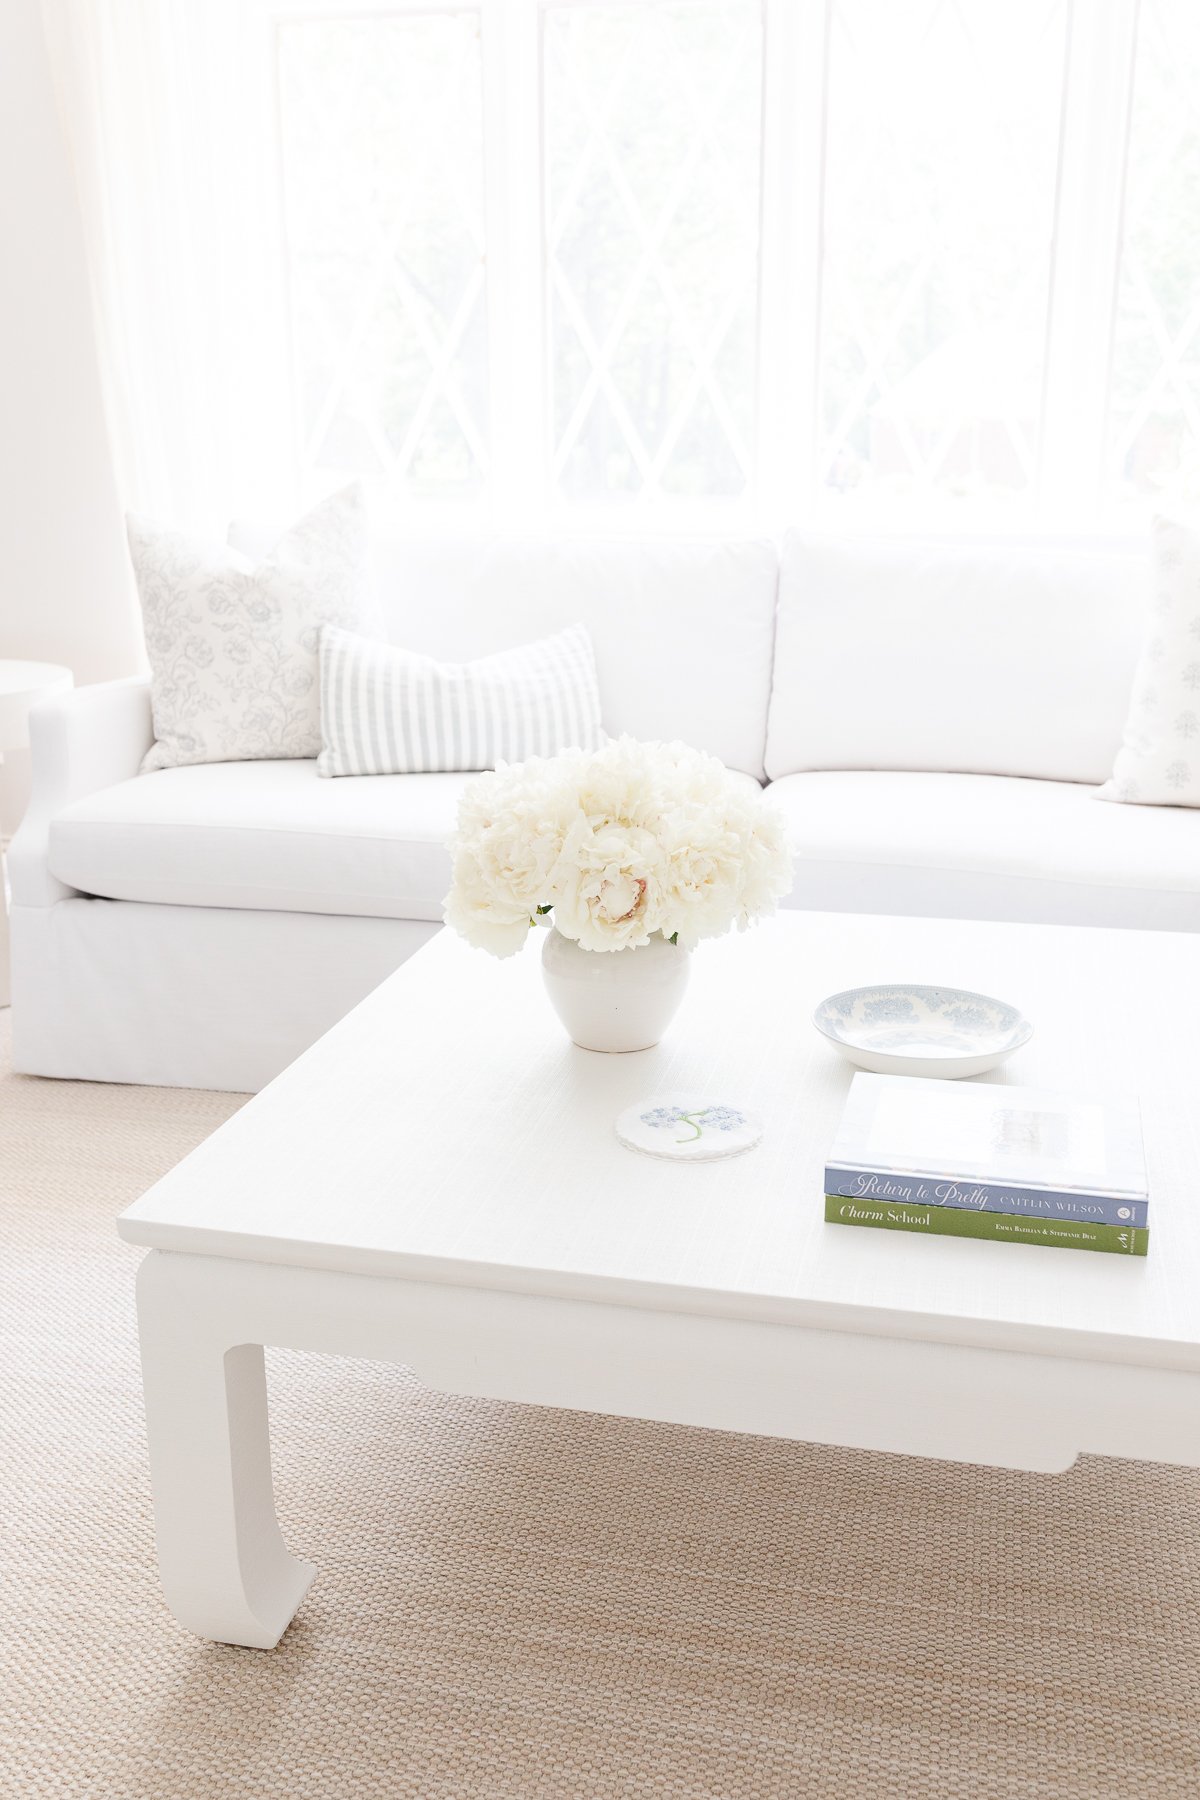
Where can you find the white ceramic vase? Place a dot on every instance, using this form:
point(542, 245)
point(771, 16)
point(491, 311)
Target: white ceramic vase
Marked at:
point(614, 999)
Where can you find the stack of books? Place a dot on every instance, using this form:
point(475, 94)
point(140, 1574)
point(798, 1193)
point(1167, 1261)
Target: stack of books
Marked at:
point(1017, 1164)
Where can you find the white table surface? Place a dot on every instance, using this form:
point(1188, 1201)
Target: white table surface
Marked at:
point(447, 1131)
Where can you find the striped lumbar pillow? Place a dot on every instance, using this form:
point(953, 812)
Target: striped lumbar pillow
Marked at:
point(386, 711)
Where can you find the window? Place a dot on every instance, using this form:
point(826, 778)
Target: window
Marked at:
point(382, 159)
point(652, 132)
point(942, 125)
point(1154, 419)
point(681, 259)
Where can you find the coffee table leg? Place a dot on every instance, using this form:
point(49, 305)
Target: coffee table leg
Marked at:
point(224, 1566)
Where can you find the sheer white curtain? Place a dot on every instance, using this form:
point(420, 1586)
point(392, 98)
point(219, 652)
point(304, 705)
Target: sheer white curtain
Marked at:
point(173, 152)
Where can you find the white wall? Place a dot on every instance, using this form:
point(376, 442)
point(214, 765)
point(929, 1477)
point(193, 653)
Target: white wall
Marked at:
point(65, 590)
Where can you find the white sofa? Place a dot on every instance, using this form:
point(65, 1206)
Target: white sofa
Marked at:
point(933, 717)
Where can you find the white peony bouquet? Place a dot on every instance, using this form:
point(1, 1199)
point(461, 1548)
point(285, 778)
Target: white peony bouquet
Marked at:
point(619, 843)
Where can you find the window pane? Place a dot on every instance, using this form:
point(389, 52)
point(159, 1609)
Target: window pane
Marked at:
point(381, 132)
point(941, 164)
point(652, 145)
point(1154, 402)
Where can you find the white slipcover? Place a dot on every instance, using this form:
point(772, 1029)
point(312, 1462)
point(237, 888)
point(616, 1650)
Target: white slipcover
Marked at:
point(244, 906)
point(1010, 657)
point(989, 847)
point(264, 837)
point(269, 836)
point(189, 996)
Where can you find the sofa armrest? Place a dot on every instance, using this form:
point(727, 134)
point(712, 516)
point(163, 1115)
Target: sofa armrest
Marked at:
point(81, 741)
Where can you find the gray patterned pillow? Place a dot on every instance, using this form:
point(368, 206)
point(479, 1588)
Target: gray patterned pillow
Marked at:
point(233, 643)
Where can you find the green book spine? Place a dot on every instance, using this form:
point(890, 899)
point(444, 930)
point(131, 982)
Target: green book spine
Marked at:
point(1007, 1228)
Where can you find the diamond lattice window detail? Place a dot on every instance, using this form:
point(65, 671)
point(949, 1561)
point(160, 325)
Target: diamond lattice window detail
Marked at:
point(653, 158)
point(1154, 399)
point(382, 156)
point(941, 156)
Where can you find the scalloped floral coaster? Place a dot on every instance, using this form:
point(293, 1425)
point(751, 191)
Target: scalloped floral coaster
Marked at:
point(689, 1127)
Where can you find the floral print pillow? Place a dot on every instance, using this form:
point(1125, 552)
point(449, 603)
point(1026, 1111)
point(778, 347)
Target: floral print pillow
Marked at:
point(233, 643)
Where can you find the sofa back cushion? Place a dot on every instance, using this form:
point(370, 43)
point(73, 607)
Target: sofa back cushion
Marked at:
point(683, 631)
point(987, 656)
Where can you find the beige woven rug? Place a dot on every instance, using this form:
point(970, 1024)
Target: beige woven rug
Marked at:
point(515, 1602)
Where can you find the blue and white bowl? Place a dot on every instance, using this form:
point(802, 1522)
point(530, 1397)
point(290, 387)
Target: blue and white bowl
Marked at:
point(906, 1030)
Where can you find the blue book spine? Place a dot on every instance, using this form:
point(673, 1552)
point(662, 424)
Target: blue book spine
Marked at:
point(986, 1196)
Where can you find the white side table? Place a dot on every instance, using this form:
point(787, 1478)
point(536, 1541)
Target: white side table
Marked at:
point(21, 683)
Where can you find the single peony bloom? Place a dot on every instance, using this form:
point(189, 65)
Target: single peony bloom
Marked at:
point(474, 911)
point(611, 892)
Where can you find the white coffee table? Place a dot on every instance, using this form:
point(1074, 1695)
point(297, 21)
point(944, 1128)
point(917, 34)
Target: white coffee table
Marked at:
point(21, 685)
point(437, 1182)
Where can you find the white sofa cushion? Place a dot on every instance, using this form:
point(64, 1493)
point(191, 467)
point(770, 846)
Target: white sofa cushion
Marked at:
point(988, 847)
point(683, 631)
point(992, 656)
point(265, 835)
